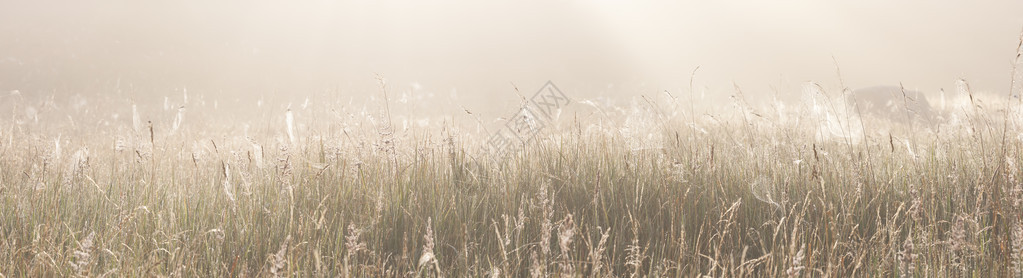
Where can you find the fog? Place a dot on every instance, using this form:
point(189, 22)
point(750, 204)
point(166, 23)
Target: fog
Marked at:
point(477, 52)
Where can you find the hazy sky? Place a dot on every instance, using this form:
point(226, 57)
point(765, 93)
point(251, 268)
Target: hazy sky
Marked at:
point(478, 48)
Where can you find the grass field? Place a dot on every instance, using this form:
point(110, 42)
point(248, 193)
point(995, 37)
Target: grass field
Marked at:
point(649, 190)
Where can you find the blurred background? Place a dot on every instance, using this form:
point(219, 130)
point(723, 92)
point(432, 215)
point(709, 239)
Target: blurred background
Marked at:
point(475, 53)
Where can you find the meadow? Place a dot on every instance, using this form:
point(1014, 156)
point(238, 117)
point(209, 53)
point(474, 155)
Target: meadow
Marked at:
point(648, 189)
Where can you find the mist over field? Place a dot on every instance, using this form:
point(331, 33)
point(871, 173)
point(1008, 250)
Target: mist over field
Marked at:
point(511, 139)
point(475, 51)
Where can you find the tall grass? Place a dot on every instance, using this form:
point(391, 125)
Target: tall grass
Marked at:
point(760, 196)
point(740, 199)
